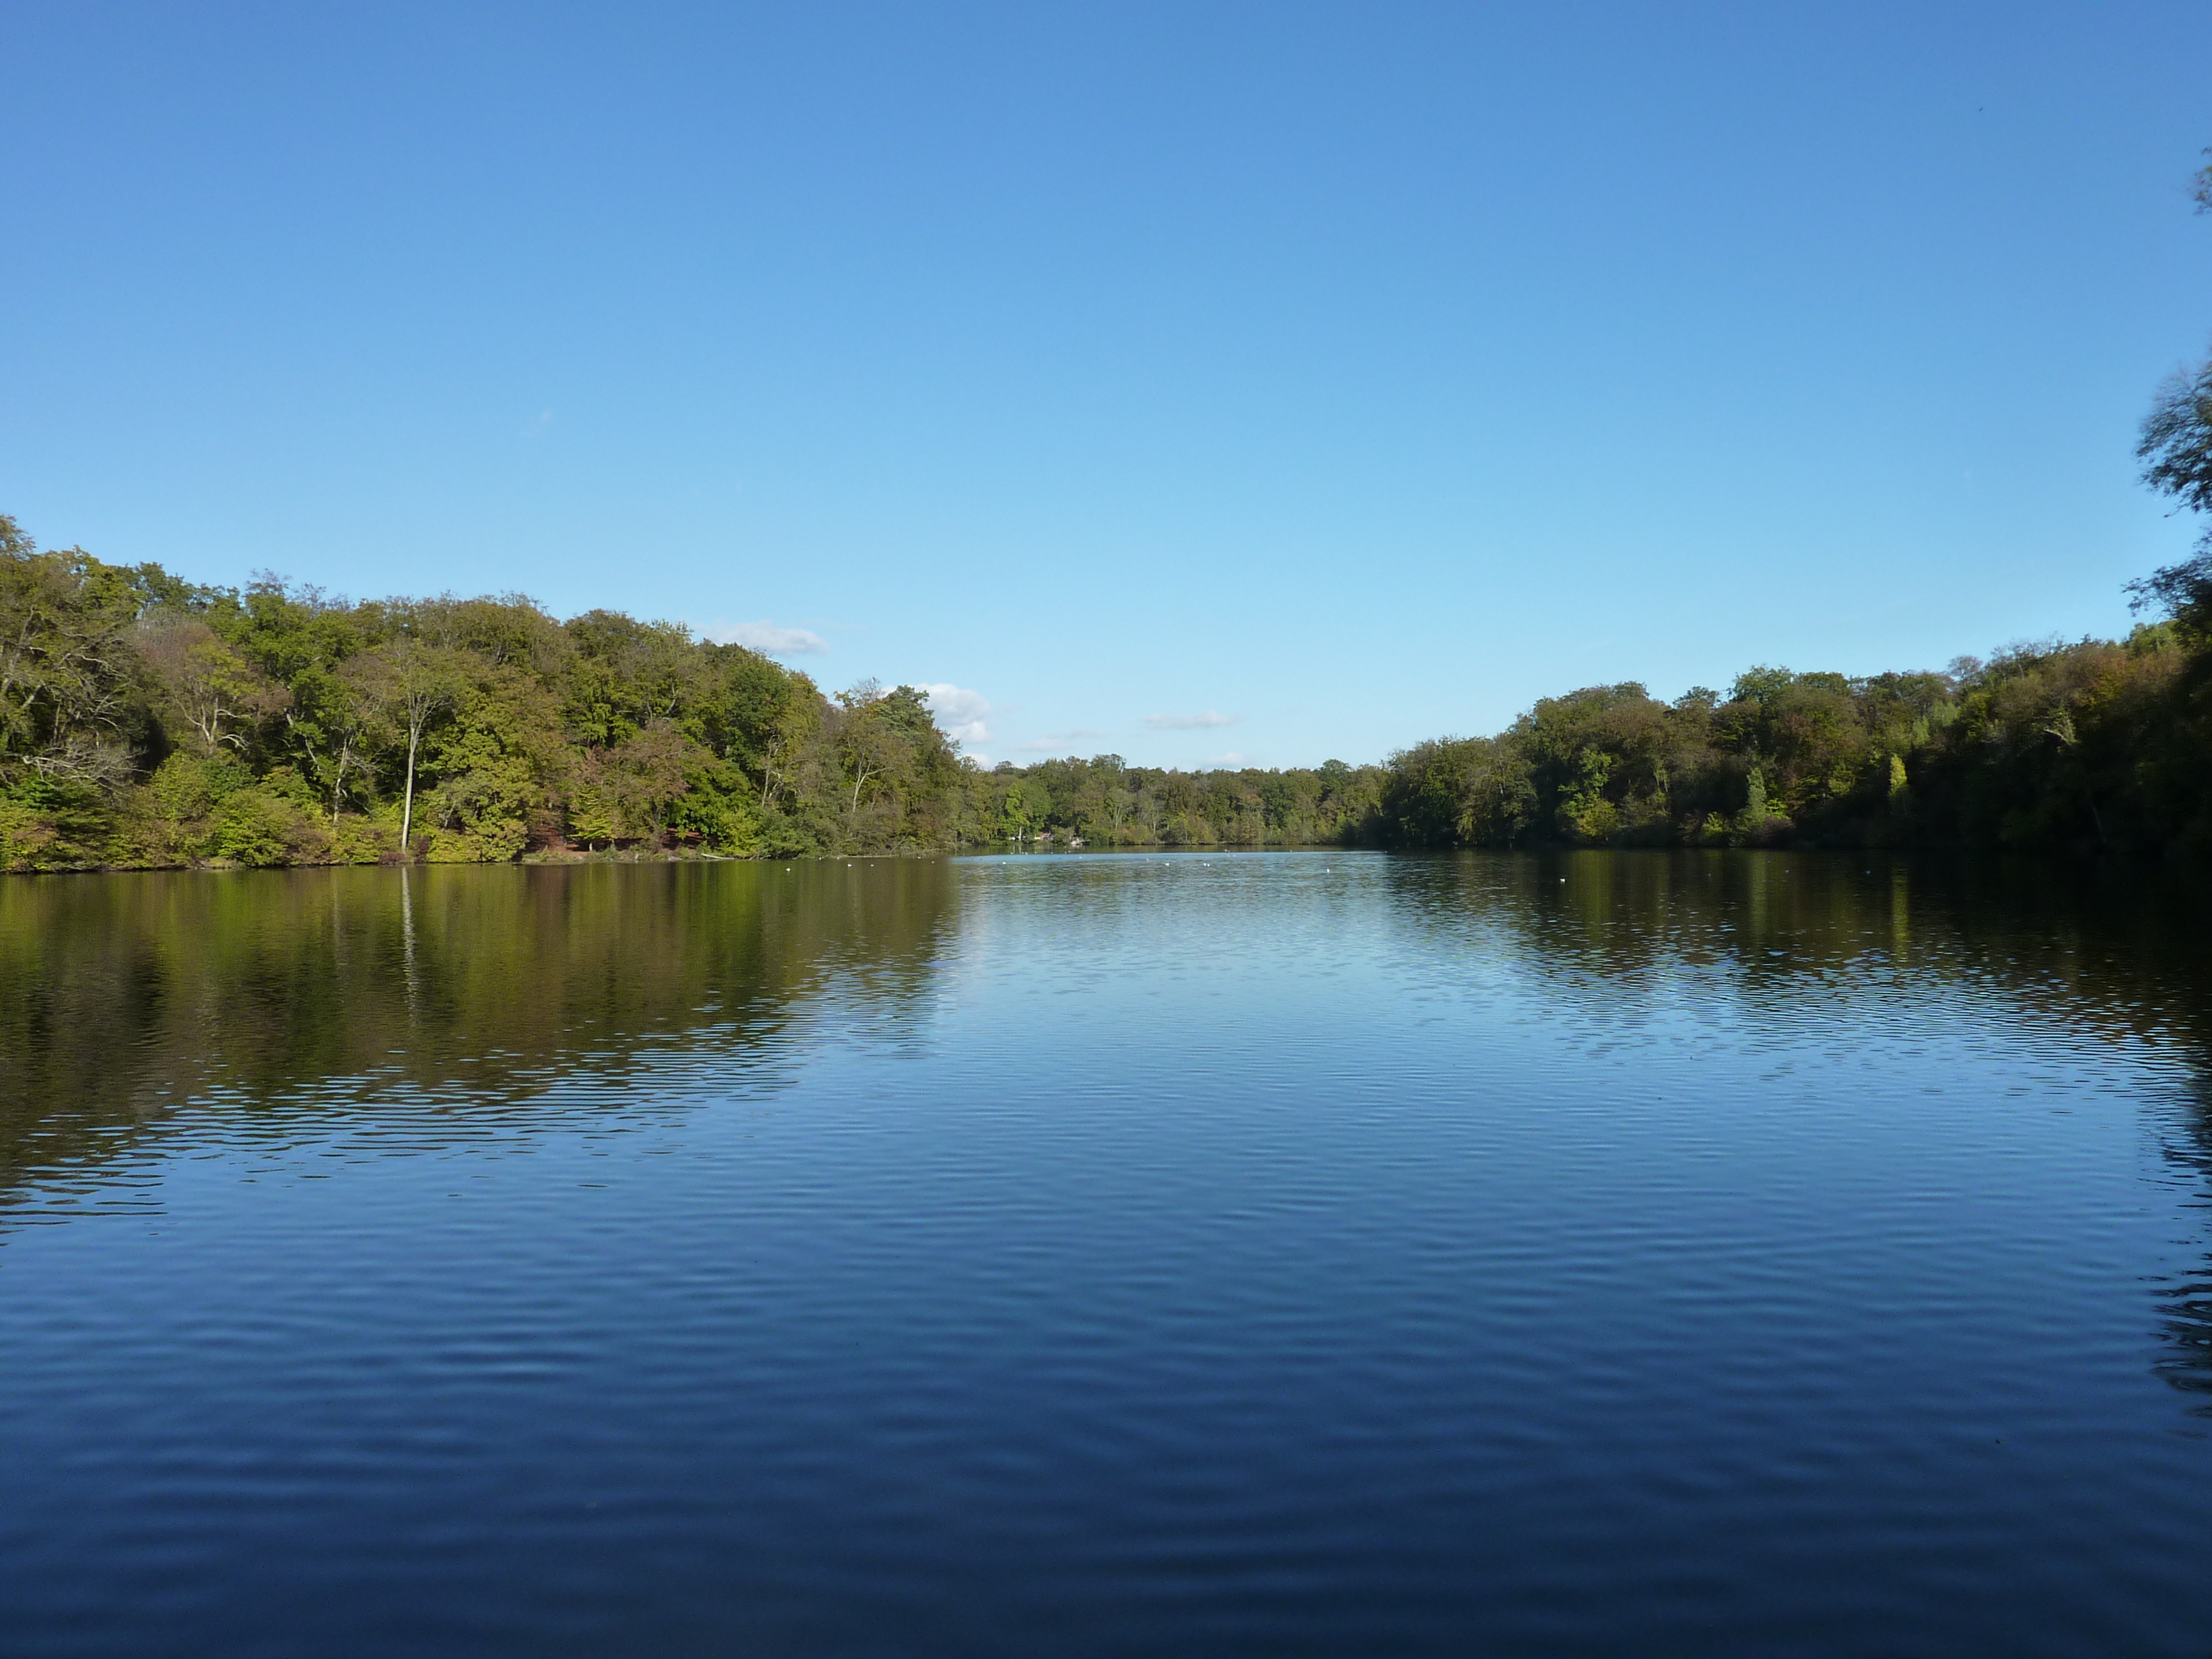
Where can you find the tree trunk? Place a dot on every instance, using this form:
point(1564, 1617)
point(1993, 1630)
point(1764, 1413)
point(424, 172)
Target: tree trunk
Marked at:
point(337, 789)
point(407, 811)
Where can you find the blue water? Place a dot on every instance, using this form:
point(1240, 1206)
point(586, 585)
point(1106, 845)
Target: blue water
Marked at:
point(1702, 1254)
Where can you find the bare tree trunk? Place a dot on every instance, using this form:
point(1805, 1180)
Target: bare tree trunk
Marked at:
point(407, 812)
point(337, 788)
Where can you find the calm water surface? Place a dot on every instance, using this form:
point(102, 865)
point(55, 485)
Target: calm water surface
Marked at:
point(1736, 1254)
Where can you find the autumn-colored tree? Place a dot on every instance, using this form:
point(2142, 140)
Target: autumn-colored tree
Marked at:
point(625, 792)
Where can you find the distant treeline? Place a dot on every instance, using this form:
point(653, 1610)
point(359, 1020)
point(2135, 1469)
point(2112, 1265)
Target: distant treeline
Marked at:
point(146, 721)
point(2092, 746)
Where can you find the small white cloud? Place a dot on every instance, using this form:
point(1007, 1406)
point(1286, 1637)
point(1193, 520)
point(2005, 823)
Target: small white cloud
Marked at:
point(1190, 722)
point(768, 639)
point(961, 712)
point(955, 703)
point(1234, 757)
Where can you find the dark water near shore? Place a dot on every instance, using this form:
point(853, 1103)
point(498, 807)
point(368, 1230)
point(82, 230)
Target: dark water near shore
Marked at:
point(1701, 1253)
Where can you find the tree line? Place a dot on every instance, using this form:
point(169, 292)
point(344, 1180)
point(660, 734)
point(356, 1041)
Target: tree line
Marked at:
point(149, 722)
point(2099, 745)
point(146, 721)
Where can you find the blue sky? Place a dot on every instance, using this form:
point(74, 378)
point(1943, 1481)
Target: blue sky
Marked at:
point(1190, 381)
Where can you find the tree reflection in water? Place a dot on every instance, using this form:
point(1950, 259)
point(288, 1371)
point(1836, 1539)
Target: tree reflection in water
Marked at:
point(495, 1000)
point(282, 999)
point(2187, 1303)
point(2108, 954)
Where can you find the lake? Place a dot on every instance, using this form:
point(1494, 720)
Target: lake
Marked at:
point(1312, 1252)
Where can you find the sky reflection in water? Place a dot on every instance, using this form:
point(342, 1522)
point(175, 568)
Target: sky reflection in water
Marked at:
point(1301, 1252)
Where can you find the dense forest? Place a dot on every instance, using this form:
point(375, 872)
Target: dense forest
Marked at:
point(146, 721)
point(2097, 745)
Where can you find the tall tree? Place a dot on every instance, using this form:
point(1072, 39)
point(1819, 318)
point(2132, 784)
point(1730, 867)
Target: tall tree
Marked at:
point(412, 683)
point(2176, 451)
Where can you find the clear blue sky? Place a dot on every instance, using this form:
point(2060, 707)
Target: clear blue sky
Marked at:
point(1350, 373)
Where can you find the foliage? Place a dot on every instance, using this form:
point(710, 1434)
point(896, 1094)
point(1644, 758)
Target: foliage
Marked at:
point(1104, 802)
point(145, 720)
point(2176, 450)
point(2094, 746)
point(72, 692)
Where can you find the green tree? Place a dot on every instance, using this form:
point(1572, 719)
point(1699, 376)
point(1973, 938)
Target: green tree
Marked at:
point(70, 698)
point(494, 757)
point(408, 684)
point(2175, 448)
